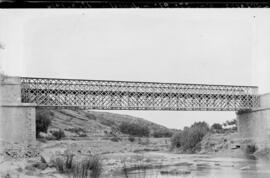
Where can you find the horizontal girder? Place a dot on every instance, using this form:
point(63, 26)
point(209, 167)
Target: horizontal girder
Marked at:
point(125, 95)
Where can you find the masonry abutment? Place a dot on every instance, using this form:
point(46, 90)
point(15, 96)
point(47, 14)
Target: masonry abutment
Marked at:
point(254, 125)
point(17, 120)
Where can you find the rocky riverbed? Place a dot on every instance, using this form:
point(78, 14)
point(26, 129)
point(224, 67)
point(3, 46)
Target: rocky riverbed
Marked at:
point(20, 161)
point(150, 158)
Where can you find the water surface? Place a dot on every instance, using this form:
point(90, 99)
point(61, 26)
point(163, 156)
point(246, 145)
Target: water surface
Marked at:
point(193, 166)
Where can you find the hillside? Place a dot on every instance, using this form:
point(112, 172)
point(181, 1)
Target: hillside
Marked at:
point(93, 123)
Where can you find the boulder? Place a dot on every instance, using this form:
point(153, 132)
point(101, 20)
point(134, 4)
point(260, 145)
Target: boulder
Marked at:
point(111, 162)
point(47, 136)
point(245, 168)
point(30, 168)
point(48, 171)
point(46, 156)
point(40, 166)
point(43, 135)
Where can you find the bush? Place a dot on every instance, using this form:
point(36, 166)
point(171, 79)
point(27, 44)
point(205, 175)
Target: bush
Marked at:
point(59, 165)
point(144, 141)
point(134, 129)
point(203, 126)
point(115, 139)
point(43, 121)
point(79, 131)
point(58, 134)
point(230, 126)
point(131, 139)
point(162, 133)
point(87, 167)
point(189, 139)
point(250, 149)
point(216, 128)
point(90, 116)
point(107, 122)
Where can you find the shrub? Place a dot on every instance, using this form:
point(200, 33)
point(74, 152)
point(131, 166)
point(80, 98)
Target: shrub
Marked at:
point(90, 116)
point(107, 122)
point(134, 129)
point(7, 175)
point(230, 126)
point(250, 149)
point(79, 131)
point(162, 133)
point(115, 139)
point(87, 167)
point(195, 135)
point(43, 121)
point(59, 165)
point(179, 139)
point(189, 139)
point(58, 134)
point(203, 126)
point(139, 140)
point(144, 141)
point(82, 135)
point(216, 128)
point(131, 139)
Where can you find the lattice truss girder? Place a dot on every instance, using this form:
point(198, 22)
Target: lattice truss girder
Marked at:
point(122, 95)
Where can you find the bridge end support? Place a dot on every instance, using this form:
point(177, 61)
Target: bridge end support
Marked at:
point(254, 125)
point(18, 123)
point(17, 120)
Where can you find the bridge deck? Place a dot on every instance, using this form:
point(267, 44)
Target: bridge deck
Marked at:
point(125, 95)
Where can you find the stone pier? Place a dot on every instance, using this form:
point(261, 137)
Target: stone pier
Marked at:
point(17, 120)
point(255, 125)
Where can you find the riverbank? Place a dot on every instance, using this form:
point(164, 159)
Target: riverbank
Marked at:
point(117, 157)
point(17, 161)
point(156, 164)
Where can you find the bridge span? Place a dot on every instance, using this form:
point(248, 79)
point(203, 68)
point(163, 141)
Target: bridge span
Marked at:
point(20, 96)
point(128, 95)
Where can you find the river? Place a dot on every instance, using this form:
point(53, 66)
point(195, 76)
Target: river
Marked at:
point(203, 166)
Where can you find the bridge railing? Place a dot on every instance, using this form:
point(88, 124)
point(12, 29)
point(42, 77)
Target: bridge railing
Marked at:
point(100, 94)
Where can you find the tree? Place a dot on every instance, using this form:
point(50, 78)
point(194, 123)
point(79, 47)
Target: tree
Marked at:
point(134, 129)
point(43, 121)
point(189, 139)
point(201, 126)
point(230, 125)
point(216, 127)
point(158, 133)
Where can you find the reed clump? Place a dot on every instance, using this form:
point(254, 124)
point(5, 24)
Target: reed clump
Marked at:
point(88, 167)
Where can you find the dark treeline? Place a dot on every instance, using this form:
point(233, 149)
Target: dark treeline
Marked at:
point(188, 139)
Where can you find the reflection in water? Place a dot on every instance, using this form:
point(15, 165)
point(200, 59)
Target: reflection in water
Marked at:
point(210, 168)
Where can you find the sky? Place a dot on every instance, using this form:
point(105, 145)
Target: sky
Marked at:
point(209, 46)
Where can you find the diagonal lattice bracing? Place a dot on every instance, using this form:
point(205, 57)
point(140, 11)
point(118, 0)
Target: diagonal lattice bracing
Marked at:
point(126, 95)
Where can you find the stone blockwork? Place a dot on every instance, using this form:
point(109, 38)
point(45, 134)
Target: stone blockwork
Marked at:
point(255, 124)
point(10, 90)
point(18, 123)
point(17, 120)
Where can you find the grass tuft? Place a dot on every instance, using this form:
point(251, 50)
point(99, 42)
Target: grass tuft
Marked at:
point(89, 167)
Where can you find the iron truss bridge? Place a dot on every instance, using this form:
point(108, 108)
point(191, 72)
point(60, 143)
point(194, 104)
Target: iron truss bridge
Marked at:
point(126, 95)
